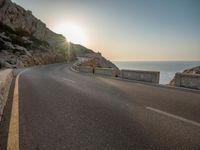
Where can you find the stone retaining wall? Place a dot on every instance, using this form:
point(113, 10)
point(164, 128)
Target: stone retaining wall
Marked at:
point(85, 69)
point(6, 77)
point(107, 72)
point(144, 76)
point(187, 80)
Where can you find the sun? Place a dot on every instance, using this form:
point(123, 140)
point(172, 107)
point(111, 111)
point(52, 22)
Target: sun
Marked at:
point(72, 32)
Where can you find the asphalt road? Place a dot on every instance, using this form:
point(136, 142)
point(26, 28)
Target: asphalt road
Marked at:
point(63, 110)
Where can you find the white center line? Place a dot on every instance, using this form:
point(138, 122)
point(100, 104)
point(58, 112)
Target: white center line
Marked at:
point(174, 116)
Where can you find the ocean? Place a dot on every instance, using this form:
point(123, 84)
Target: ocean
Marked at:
point(167, 68)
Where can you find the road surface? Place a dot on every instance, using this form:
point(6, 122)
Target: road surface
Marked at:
point(63, 110)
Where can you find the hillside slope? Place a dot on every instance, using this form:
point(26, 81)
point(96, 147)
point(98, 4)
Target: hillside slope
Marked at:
point(26, 41)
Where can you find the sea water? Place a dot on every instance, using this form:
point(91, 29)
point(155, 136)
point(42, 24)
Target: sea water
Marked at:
point(167, 68)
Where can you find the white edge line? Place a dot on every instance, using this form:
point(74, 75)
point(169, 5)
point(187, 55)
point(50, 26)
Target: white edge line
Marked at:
point(174, 116)
point(73, 69)
point(69, 80)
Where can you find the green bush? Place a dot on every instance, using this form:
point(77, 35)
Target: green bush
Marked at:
point(21, 32)
point(5, 28)
point(39, 42)
point(17, 39)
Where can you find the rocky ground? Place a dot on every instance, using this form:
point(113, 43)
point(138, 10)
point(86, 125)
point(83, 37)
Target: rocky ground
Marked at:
point(195, 70)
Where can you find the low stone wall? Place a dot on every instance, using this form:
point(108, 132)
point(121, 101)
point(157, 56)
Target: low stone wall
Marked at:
point(187, 80)
point(6, 77)
point(107, 72)
point(85, 69)
point(144, 76)
point(75, 67)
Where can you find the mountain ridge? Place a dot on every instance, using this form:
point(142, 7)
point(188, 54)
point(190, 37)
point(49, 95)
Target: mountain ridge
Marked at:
point(26, 41)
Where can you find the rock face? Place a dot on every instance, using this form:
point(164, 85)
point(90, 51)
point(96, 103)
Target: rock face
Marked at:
point(18, 50)
point(97, 60)
point(18, 19)
point(26, 41)
point(195, 70)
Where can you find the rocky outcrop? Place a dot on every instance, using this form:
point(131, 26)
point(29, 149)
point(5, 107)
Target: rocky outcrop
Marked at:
point(195, 70)
point(20, 20)
point(97, 60)
point(26, 41)
point(192, 71)
point(79, 49)
point(10, 60)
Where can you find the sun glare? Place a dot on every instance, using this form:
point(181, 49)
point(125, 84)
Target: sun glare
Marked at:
point(72, 32)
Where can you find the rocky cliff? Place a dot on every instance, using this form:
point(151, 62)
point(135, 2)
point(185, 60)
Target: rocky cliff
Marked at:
point(195, 70)
point(26, 41)
point(22, 21)
point(96, 60)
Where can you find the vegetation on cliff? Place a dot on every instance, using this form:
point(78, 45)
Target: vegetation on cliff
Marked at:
point(26, 41)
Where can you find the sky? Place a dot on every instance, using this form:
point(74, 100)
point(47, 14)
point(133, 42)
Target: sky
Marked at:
point(126, 29)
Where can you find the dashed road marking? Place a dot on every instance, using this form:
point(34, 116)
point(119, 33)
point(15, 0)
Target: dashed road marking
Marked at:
point(174, 116)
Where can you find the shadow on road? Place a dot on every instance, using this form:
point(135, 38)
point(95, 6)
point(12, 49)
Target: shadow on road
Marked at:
point(4, 124)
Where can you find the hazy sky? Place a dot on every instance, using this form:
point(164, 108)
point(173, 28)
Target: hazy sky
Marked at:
point(127, 29)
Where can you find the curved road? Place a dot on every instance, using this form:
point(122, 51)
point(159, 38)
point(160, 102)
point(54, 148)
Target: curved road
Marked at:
point(63, 110)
